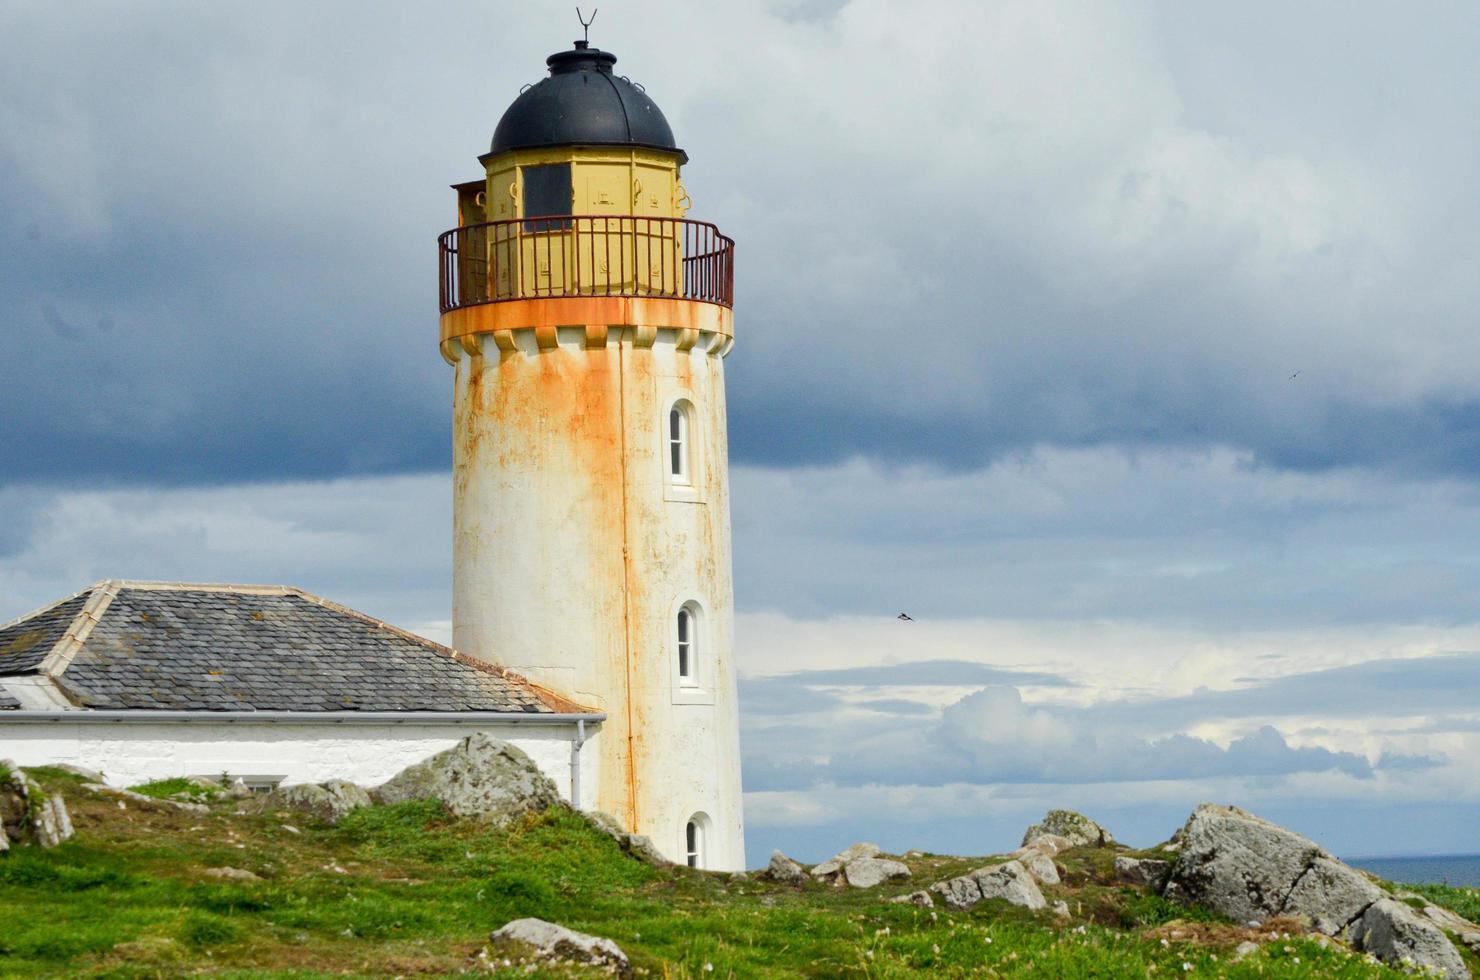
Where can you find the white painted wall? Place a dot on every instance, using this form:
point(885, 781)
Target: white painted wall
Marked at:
point(572, 555)
point(133, 752)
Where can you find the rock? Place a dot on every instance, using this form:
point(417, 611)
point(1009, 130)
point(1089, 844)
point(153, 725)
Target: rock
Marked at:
point(634, 845)
point(50, 822)
point(565, 944)
point(922, 899)
point(1330, 895)
point(783, 868)
point(28, 813)
point(1393, 932)
point(1050, 844)
point(146, 802)
point(1009, 881)
point(1146, 872)
point(91, 775)
point(1061, 909)
point(1445, 919)
point(232, 874)
point(1074, 827)
point(834, 864)
point(958, 893)
point(867, 872)
point(1039, 865)
point(1249, 869)
point(330, 802)
point(239, 790)
point(1244, 949)
point(481, 776)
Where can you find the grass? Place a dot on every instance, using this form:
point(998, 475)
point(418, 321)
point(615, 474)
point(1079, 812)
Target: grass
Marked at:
point(178, 788)
point(407, 890)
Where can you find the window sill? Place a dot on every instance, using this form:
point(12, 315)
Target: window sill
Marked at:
point(692, 695)
point(682, 494)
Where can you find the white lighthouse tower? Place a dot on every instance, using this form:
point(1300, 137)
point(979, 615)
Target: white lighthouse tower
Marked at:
point(588, 320)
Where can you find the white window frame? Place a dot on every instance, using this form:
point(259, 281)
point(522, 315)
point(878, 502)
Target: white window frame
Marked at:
point(682, 486)
point(697, 685)
point(696, 852)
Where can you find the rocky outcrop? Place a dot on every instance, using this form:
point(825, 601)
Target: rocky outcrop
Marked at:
point(548, 940)
point(784, 869)
point(232, 874)
point(1250, 870)
point(1149, 873)
point(1076, 828)
point(872, 871)
point(146, 802)
point(833, 866)
point(1395, 933)
point(482, 777)
point(1010, 881)
point(330, 802)
point(1038, 862)
point(634, 845)
point(860, 866)
point(29, 814)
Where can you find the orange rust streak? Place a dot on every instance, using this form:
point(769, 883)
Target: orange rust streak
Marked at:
point(627, 593)
point(575, 311)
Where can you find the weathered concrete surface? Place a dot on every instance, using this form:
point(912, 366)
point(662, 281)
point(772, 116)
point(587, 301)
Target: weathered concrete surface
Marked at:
point(481, 776)
point(1395, 933)
point(561, 502)
point(558, 942)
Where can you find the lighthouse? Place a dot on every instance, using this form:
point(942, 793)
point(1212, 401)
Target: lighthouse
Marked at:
point(587, 319)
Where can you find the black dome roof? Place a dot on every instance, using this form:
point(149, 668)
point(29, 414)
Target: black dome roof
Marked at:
point(582, 102)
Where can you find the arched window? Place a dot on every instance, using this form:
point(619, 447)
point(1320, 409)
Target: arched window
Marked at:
point(693, 835)
point(688, 645)
point(680, 450)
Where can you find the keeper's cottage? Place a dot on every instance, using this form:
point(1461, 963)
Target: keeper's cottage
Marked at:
point(586, 319)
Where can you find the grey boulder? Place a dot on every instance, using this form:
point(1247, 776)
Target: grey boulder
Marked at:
point(29, 814)
point(481, 776)
point(330, 802)
point(1009, 881)
point(1149, 873)
point(784, 869)
point(867, 872)
point(834, 864)
point(557, 942)
point(1039, 864)
point(1076, 828)
point(633, 845)
point(1393, 932)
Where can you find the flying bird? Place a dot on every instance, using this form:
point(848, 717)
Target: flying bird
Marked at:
point(906, 617)
point(1295, 375)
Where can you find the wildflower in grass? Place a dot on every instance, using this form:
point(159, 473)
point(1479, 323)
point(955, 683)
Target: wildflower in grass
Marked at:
point(1186, 967)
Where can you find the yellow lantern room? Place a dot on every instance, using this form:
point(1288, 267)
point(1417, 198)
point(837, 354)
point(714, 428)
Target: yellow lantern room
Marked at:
point(582, 196)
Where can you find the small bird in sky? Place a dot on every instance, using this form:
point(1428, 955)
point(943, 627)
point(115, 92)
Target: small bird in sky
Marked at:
point(906, 617)
point(1295, 375)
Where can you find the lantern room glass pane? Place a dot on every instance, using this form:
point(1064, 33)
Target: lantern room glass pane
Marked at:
point(547, 190)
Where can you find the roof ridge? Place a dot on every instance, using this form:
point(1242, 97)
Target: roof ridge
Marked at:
point(245, 588)
point(51, 605)
point(55, 663)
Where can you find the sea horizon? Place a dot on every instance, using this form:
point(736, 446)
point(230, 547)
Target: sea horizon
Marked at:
point(1459, 870)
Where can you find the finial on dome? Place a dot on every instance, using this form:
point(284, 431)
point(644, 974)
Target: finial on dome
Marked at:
point(585, 41)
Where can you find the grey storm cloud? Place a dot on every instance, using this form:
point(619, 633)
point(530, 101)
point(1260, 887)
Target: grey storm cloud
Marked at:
point(1122, 226)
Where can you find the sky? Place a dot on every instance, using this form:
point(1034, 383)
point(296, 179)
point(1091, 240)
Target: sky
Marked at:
point(1129, 348)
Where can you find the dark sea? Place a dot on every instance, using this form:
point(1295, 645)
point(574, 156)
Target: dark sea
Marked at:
point(1461, 869)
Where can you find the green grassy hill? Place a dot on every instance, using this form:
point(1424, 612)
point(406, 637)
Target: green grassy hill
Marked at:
point(407, 891)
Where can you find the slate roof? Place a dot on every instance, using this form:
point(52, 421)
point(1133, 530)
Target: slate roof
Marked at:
point(166, 646)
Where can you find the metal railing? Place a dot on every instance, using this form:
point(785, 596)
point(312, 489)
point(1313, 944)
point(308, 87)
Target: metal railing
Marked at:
point(586, 255)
